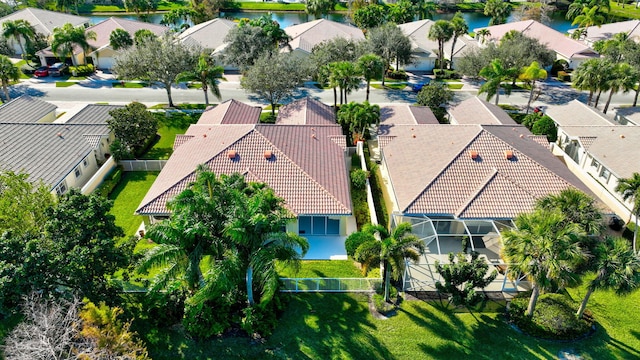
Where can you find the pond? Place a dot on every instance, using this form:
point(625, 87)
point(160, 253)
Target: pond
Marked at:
point(474, 19)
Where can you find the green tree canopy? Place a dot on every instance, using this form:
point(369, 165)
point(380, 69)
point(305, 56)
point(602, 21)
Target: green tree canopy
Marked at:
point(120, 39)
point(370, 16)
point(495, 74)
point(371, 67)
point(498, 10)
point(133, 126)
point(319, 8)
point(356, 117)
point(207, 73)
point(390, 43)
point(437, 97)
point(462, 276)
point(67, 37)
point(629, 188)
point(441, 31)
point(20, 31)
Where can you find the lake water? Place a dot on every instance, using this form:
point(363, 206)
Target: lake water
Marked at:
point(474, 19)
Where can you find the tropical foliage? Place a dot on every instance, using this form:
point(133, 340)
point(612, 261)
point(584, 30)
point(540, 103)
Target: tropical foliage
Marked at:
point(207, 73)
point(629, 188)
point(67, 37)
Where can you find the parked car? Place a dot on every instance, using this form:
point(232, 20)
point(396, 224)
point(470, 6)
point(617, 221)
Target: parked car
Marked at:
point(58, 69)
point(418, 86)
point(42, 71)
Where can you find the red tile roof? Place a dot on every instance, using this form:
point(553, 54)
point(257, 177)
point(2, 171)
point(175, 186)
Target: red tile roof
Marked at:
point(307, 111)
point(231, 112)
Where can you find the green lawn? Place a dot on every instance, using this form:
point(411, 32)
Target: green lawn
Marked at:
point(629, 10)
point(324, 268)
point(126, 197)
point(339, 326)
point(163, 5)
point(169, 128)
point(268, 6)
point(390, 85)
point(128, 85)
point(64, 84)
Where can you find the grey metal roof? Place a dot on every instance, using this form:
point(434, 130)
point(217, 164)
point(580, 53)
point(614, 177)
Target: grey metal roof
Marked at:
point(93, 114)
point(25, 109)
point(44, 21)
point(47, 152)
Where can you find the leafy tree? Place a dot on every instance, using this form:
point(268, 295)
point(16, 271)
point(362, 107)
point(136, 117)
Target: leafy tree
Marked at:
point(424, 9)
point(22, 203)
point(629, 188)
point(319, 8)
point(20, 31)
point(546, 126)
point(356, 117)
point(441, 31)
point(544, 247)
point(371, 67)
point(623, 78)
point(133, 126)
point(577, 207)
point(498, 10)
point(179, 16)
point(271, 28)
point(618, 269)
point(207, 73)
point(246, 44)
point(614, 48)
point(275, 77)
point(460, 28)
point(141, 61)
point(139, 6)
point(436, 96)
point(143, 35)
point(65, 38)
point(120, 39)
point(390, 43)
point(530, 74)
point(631, 54)
point(370, 16)
point(402, 12)
point(462, 276)
point(346, 75)
point(331, 51)
point(496, 73)
point(204, 10)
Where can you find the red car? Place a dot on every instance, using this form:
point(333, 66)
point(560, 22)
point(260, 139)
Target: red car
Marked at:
point(41, 72)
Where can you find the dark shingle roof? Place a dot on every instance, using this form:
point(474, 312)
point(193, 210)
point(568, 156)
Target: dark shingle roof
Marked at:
point(25, 110)
point(93, 114)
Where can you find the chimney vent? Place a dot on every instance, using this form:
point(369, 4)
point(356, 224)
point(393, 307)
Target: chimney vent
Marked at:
point(508, 154)
point(268, 154)
point(59, 134)
point(473, 154)
point(232, 154)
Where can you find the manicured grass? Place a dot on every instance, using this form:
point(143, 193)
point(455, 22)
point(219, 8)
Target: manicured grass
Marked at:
point(64, 84)
point(163, 5)
point(339, 326)
point(128, 85)
point(177, 123)
point(390, 86)
point(19, 65)
point(268, 6)
point(323, 268)
point(126, 197)
point(629, 10)
point(455, 86)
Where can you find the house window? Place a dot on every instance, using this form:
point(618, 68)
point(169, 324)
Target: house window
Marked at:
point(318, 225)
point(78, 172)
point(61, 188)
point(595, 163)
point(604, 173)
point(85, 163)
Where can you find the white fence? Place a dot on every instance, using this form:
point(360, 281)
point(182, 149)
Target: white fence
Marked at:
point(97, 179)
point(142, 165)
point(296, 285)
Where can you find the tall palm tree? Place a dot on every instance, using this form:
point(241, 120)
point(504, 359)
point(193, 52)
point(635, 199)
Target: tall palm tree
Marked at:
point(498, 10)
point(592, 75)
point(494, 74)
point(483, 34)
point(460, 27)
point(630, 190)
point(532, 73)
point(618, 269)
point(577, 207)
point(8, 73)
point(347, 76)
point(545, 248)
point(623, 78)
point(67, 37)
point(371, 66)
point(425, 9)
point(255, 230)
point(441, 31)
point(590, 16)
point(207, 73)
point(20, 31)
point(357, 117)
point(578, 6)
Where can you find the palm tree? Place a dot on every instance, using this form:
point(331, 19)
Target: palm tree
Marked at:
point(483, 34)
point(319, 8)
point(590, 76)
point(544, 247)
point(19, 30)
point(207, 73)
point(630, 190)
point(347, 76)
point(425, 9)
point(441, 31)
point(589, 17)
point(255, 231)
point(618, 269)
point(495, 73)
point(357, 117)
point(460, 27)
point(498, 10)
point(578, 6)
point(8, 73)
point(67, 37)
point(577, 207)
point(623, 78)
point(371, 66)
point(532, 73)
point(120, 39)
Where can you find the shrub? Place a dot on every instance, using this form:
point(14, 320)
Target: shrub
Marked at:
point(205, 319)
point(553, 318)
point(110, 182)
point(559, 65)
point(398, 75)
point(446, 74)
point(354, 240)
point(382, 306)
point(268, 118)
point(82, 70)
point(530, 120)
point(261, 319)
point(545, 126)
point(564, 76)
point(359, 178)
point(119, 151)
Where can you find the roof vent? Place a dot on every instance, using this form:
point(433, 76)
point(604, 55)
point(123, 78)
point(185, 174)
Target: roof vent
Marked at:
point(268, 154)
point(232, 154)
point(413, 135)
point(621, 136)
point(313, 136)
point(508, 154)
point(204, 135)
point(59, 134)
point(521, 136)
point(474, 154)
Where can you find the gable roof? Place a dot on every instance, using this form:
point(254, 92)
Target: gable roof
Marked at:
point(104, 29)
point(615, 147)
point(208, 35)
point(25, 109)
point(44, 21)
point(307, 168)
point(93, 114)
point(418, 33)
point(555, 40)
point(404, 114)
point(306, 111)
point(630, 114)
point(477, 111)
point(307, 35)
point(607, 31)
point(432, 172)
point(231, 112)
point(578, 113)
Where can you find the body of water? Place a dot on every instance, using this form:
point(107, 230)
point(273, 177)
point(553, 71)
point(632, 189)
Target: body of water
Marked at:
point(475, 20)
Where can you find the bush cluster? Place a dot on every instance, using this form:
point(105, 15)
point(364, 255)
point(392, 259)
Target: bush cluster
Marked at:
point(359, 178)
point(564, 76)
point(382, 306)
point(398, 75)
point(446, 74)
point(82, 70)
point(354, 240)
point(110, 182)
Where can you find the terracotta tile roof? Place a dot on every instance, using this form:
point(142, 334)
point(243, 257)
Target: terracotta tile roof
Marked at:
point(578, 113)
point(307, 168)
point(307, 111)
point(432, 171)
point(231, 112)
point(181, 139)
point(44, 21)
point(404, 114)
point(208, 35)
point(477, 111)
point(418, 33)
point(555, 40)
point(307, 35)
